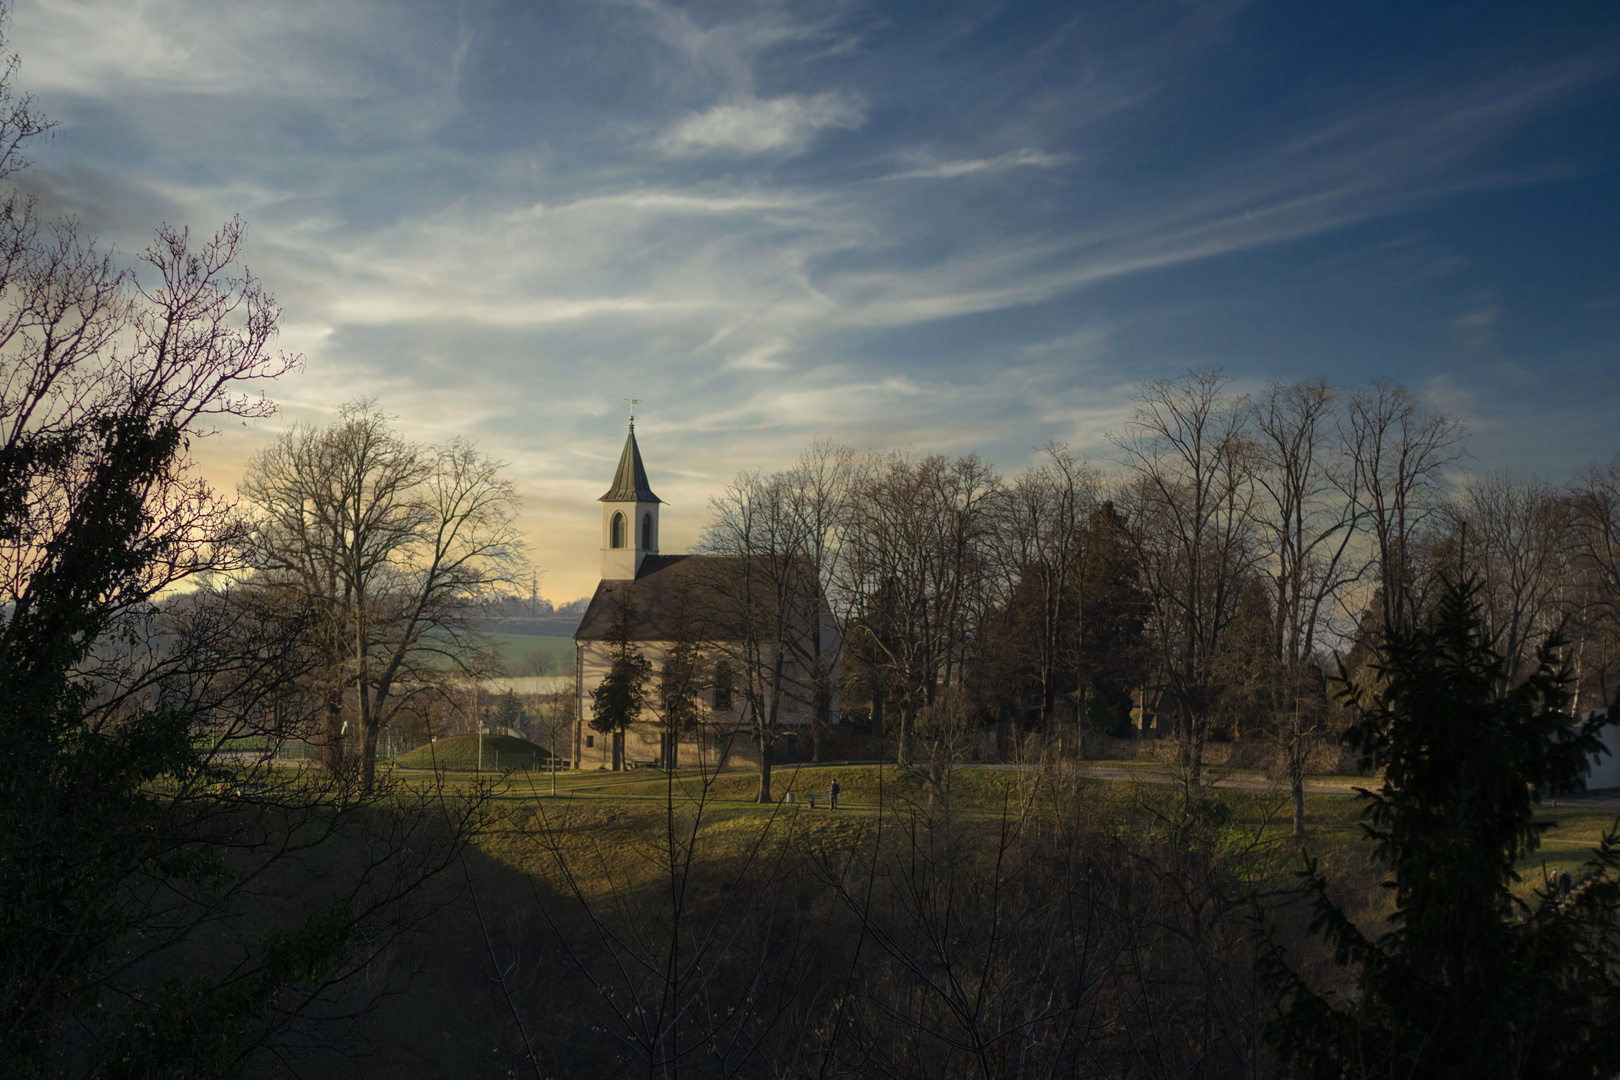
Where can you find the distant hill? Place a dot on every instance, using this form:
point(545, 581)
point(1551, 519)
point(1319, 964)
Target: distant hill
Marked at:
point(533, 615)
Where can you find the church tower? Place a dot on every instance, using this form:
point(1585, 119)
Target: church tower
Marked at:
point(629, 516)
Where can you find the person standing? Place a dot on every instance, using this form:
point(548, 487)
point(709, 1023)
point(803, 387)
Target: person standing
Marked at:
point(832, 796)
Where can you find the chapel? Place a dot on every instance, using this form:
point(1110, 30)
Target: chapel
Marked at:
point(663, 599)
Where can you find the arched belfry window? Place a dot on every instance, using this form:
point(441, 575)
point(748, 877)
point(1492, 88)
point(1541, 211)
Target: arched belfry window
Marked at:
point(646, 531)
point(616, 536)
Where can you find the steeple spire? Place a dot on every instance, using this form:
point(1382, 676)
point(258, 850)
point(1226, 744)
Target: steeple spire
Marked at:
point(629, 515)
point(630, 481)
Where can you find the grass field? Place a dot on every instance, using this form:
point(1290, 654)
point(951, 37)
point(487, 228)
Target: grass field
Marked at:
point(517, 650)
point(636, 805)
point(607, 841)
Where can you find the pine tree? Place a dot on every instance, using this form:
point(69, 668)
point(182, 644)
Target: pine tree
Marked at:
point(1470, 979)
point(618, 700)
point(681, 709)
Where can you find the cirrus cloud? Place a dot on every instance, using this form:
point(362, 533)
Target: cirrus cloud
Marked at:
point(763, 125)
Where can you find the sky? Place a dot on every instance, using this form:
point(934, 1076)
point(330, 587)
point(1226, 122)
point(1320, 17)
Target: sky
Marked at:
point(952, 227)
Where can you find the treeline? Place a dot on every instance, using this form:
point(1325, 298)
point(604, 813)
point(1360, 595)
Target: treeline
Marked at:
point(1210, 575)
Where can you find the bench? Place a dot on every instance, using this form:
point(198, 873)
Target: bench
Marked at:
point(641, 762)
point(824, 796)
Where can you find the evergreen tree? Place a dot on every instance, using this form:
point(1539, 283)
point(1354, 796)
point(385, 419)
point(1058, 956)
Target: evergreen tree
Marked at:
point(1470, 979)
point(618, 700)
point(1112, 652)
point(681, 709)
point(509, 713)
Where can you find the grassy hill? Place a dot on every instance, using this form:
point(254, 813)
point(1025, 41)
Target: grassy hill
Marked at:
point(500, 753)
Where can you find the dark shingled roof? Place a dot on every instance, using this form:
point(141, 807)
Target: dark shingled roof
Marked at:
point(630, 482)
point(658, 580)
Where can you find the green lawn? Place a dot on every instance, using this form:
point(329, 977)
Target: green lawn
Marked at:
point(618, 817)
point(605, 842)
point(516, 651)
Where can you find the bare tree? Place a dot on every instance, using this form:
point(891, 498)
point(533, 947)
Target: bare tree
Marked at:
point(1046, 941)
point(762, 590)
point(1399, 451)
point(1191, 496)
point(1514, 536)
point(392, 546)
point(1305, 522)
point(917, 571)
point(1596, 543)
point(141, 845)
point(558, 716)
point(1043, 516)
point(820, 489)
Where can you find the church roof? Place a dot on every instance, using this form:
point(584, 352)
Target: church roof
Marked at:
point(657, 594)
point(630, 481)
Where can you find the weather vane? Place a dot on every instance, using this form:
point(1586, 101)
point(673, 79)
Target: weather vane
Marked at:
point(634, 401)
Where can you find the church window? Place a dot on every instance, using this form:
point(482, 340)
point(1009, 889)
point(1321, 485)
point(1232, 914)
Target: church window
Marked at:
point(616, 539)
point(646, 531)
point(722, 687)
point(590, 740)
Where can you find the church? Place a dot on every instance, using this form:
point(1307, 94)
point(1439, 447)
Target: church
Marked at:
point(664, 598)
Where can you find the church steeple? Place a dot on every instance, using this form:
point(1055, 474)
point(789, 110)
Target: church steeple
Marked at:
point(629, 515)
point(630, 481)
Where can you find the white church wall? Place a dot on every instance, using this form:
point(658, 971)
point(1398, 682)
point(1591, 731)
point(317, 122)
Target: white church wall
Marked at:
point(1606, 767)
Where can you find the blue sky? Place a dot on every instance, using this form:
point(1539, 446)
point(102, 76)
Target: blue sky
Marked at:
point(949, 226)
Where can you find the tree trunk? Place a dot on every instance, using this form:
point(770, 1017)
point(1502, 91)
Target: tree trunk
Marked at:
point(877, 719)
point(1299, 806)
point(938, 767)
point(368, 756)
point(1195, 762)
point(820, 717)
point(1296, 771)
point(332, 736)
point(764, 773)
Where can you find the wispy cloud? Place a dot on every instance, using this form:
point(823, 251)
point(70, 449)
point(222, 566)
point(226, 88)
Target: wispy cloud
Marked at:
point(727, 52)
point(755, 126)
point(765, 356)
point(949, 170)
point(776, 220)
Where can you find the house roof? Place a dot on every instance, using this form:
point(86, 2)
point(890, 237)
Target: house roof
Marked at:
point(656, 593)
point(630, 481)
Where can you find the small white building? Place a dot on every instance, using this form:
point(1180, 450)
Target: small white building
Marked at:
point(1605, 772)
point(670, 595)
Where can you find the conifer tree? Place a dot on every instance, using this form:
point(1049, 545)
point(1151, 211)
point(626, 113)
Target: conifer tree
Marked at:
point(682, 677)
point(1470, 978)
point(618, 700)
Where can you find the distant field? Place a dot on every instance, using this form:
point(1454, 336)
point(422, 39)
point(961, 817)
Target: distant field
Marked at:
point(516, 649)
